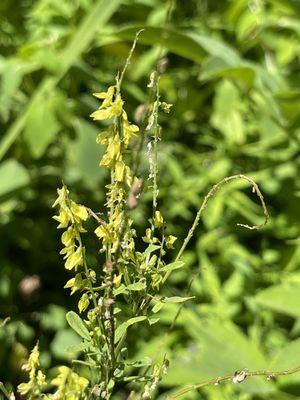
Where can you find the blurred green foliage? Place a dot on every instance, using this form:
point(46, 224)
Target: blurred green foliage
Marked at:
point(232, 76)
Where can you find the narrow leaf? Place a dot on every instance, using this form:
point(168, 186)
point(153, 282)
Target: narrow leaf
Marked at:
point(176, 299)
point(136, 286)
point(171, 267)
point(121, 330)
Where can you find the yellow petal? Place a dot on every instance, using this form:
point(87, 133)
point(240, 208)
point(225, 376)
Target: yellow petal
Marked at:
point(80, 211)
point(74, 260)
point(100, 115)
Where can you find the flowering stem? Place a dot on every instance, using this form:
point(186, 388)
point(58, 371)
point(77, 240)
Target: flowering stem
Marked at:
point(155, 161)
point(129, 55)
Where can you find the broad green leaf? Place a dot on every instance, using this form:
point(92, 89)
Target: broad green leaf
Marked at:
point(83, 154)
point(188, 44)
point(99, 14)
point(218, 348)
point(226, 116)
point(212, 216)
point(178, 42)
point(62, 345)
point(171, 267)
point(54, 318)
point(12, 71)
point(217, 48)
point(218, 68)
point(78, 325)
point(210, 278)
point(282, 298)
point(121, 330)
point(13, 176)
point(287, 357)
point(41, 124)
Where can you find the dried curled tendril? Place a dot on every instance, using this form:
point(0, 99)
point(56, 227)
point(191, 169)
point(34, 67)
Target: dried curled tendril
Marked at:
point(212, 191)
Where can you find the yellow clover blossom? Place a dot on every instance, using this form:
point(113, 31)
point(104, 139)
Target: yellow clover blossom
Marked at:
point(71, 216)
point(170, 240)
point(112, 105)
point(36, 378)
point(70, 386)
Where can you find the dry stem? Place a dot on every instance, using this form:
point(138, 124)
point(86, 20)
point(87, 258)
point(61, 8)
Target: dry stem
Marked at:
point(237, 377)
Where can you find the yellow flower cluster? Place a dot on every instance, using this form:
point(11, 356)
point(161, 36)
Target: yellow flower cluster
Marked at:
point(70, 386)
point(71, 216)
point(116, 139)
point(36, 378)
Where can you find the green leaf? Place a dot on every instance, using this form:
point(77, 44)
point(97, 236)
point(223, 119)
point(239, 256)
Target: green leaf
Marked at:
point(78, 325)
point(282, 298)
point(171, 267)
point(176, 299)
point(54, 318)
point(190, 45)
point(99, 14)
point(135, 287)
point(41, 124)
point(13, 176)
point(11, 72)
point(226, 116)
point(146, 361)
point(218, 345)
point(150, 249)
point(286, 357)
point(121, 289)
point(217, 48)
point(218, 68)
point(121, 330)
point(157, 306)
point(62, 345)
point(153, 320)
point(79, 165)
point(177, 42)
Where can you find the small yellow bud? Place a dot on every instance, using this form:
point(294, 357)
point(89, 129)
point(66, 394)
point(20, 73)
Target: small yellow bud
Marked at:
point(158, 220)
point(83, 302)
point(170, 240)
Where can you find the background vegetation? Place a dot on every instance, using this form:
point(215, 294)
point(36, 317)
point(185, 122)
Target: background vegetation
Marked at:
point(232, 75)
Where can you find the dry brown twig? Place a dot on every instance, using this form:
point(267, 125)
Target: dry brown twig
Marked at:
point(237, 377)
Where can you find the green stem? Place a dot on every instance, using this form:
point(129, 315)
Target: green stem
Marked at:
point(155, 161)
point(4, 391)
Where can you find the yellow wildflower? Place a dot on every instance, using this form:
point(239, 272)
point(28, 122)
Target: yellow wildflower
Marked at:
point(170, 240)
point(158, 220)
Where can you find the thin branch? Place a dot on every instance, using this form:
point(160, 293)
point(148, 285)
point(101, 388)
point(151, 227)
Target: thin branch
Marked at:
point(237, 377)
point(4, 322)
point(212, 191)
point(96, 217)
point(129, 56)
